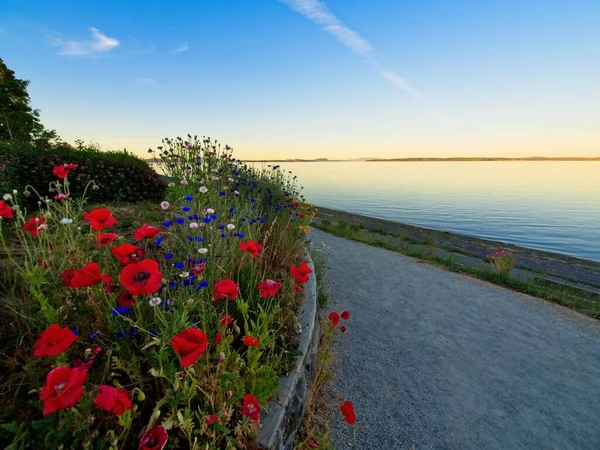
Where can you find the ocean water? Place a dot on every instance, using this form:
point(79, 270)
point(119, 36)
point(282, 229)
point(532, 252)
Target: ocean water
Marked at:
point(553, 206)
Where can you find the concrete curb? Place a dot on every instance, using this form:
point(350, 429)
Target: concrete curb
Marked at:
point(282, 416)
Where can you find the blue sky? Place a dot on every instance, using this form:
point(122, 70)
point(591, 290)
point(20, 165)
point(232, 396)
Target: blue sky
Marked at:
point(308, 78)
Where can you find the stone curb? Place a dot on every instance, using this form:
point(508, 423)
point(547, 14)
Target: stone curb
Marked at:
point(282, 417)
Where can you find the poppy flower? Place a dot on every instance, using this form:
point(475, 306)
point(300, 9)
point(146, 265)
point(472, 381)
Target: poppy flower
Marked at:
point(53, 341)
point(189, 344)
point(141, 278)
point(6, 212)
point(334, 317)
point(100, 218)
point(251, 408)
point(226, 320)
point(250, 341)
point(34, 225)
point(298, 288)
point(345, 315)
point(112, 399)
point(63, 388)
point(125, 299)
point(312, 442)
point(154, 439)
point(89, 275)
point(63, 170)
point(210, 419)
point(199, 268)
point(343, 329)
point(348, 412)
point(105, 239)
point(268, 288)
point(250, 247)
point(300, 273)
point(61, 196)
point(146, 232)
point(67, 277)
point(226, 289)
point(218, 338)
point(127, 253)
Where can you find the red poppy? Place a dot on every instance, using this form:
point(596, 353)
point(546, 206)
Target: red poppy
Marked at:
point(218, 338)
point(54, 340)
point(127, 253)
point(226, 289)
point(300, 273)
point(190, 344)
point(125, 299)
point(154, 439)
point(298, 288)
point(199, 268)
point(106, 238)
point(141, 278)
point(89, 275)
point(226, 320)
point(302, 216)
point(251, 407)
point(343, 329)
point(251, 247)
point(88, 361)
point(334, 317)
point(61, 196)
point(348, 412)
point(250, 341)
point(112, 399)
point(268, 288)
point(34, 225)
point(6, 212)
point(212, 418)
point(63, 170)
point(312, 442)
point(146, 232)
point(67, 277)
point(100, 218)
point(345, 315)
point(63, 388)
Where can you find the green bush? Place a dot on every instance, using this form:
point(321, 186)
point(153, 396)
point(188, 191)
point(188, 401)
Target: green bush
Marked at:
point(120, 176)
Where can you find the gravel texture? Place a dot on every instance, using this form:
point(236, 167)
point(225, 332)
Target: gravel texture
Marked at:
point(437, 360)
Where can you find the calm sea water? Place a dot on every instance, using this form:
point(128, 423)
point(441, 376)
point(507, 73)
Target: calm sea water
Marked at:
point(552, 206)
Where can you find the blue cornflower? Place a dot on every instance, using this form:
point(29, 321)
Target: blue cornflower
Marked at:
point(95, 334)
point(221, 227)
point(186, 209)
point(206, 220)
point(243, 219)
point(179, 265)
point(222, 193)
point(121, 310)
point(75, 331)
point(232, 210)
point(203, 284)
point(180, 220)
point(153, 332)
point(132, 331)
point(240, 235)
point(158, 241)
point(172, 284)
point(189, 198)
point(199, 239)
point(223, 235)
point(190, 238)
point(120, 335)
point(252, 200)
point(169, 256)
point(167, 223)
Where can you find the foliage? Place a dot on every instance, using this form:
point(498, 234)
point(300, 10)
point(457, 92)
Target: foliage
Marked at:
point(503, 261)
point(19, 122)
point(118, 176)
point(197, 349)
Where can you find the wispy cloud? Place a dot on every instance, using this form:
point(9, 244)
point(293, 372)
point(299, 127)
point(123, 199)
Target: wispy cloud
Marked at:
point(183, 48)
point(148, 82)
point(99, 43)
point(317, 12)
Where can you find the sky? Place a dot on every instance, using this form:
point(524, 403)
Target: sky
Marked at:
point(335, 79)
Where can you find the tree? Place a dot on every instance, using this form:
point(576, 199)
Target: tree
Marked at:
point(18, 120)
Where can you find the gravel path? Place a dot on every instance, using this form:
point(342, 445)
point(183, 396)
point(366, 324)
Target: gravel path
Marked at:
point(437, 360)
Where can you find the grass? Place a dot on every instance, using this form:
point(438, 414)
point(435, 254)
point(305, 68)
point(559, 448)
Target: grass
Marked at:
point(315, 424)
point(582, 303)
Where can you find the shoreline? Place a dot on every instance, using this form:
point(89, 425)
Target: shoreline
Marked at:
point(564, 269)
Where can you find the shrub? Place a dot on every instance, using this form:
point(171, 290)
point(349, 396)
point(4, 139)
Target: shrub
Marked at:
point(120, 176)
point(503, 261)
point(175, 331)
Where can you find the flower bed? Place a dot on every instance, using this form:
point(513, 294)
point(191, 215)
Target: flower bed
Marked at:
point(172, 336)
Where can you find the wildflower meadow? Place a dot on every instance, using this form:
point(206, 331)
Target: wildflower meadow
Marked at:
point(169, 335)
